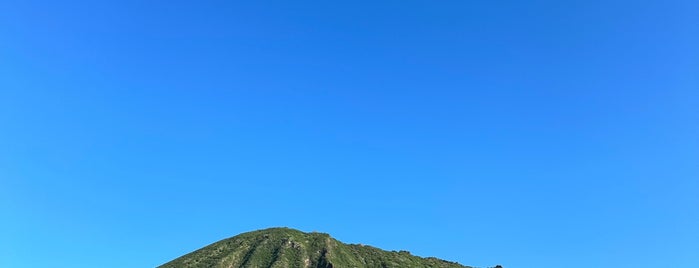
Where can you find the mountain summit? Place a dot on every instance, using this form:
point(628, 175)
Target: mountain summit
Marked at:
point(284, 247)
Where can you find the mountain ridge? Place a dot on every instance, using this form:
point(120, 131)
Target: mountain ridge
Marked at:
point(282, 247)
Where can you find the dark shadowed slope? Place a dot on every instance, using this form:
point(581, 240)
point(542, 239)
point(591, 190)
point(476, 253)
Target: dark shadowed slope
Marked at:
point(284, 247)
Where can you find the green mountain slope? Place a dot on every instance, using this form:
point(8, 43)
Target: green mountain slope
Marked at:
point(289, 248)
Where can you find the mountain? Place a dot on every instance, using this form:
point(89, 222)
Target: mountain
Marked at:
point(289, 248)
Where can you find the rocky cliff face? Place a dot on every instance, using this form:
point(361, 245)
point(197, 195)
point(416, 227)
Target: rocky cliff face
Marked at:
point(283, 247)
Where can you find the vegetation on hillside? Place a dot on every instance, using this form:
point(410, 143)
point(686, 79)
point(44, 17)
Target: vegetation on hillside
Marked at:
point(289, 248)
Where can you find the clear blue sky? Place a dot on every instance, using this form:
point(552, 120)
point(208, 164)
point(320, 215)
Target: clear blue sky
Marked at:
point(522, 133)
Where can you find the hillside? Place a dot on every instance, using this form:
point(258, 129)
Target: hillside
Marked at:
point(284, 247)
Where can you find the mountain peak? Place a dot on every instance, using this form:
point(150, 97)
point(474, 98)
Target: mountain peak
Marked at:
point(286, 247)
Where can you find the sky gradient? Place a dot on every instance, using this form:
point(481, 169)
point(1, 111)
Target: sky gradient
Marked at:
point(523, 133)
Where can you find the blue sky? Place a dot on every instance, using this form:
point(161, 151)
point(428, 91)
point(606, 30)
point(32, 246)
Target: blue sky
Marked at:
point(521, 133)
